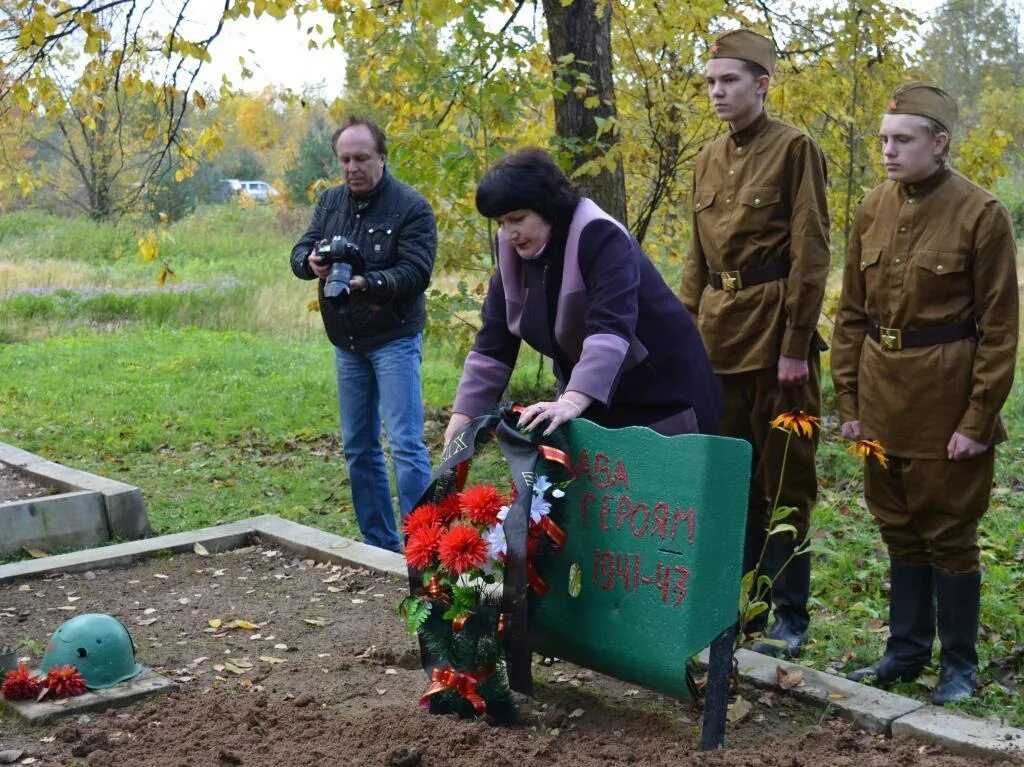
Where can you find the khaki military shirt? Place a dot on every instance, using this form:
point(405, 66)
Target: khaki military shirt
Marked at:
point(938, 252)
point(759, 198)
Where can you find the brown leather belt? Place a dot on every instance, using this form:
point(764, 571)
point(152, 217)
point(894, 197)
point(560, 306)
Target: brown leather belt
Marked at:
point(747, 278)
point(894, 339)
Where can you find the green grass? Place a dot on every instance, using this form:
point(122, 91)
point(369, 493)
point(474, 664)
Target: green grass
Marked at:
point(217, 398)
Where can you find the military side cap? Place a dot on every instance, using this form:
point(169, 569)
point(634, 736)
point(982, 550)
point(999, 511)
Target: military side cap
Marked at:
point(746, 45)
point(926, 100)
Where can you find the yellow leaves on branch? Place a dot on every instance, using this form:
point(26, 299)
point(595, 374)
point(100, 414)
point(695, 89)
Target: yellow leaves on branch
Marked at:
point(37, 28)
point(186, 49)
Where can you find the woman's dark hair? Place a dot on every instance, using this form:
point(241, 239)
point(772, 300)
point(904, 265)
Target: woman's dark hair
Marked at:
point(527, 179)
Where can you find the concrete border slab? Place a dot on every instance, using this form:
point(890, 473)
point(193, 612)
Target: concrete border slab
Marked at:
point(219, 538)
point(146, 683)
point(867, 707)
point(870, 708)
point(961, 735)
point(68, 520)
point(101, 508)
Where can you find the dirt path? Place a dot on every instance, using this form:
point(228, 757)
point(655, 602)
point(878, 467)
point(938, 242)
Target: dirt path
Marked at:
point(329, 677)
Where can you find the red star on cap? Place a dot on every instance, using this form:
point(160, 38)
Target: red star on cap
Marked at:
point(892, 105)
point(714, 48)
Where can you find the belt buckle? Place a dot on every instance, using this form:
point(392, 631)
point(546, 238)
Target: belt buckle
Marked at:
point(732, 281)
point(891, 339)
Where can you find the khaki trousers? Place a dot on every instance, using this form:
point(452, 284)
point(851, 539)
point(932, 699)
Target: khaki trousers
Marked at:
point(927, 509)
point(752, 400)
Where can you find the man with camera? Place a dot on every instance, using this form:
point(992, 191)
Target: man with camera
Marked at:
point(371, 243)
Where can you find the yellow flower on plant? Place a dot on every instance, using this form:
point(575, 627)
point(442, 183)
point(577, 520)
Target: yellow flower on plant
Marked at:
point(870, 448)
point(797, 421)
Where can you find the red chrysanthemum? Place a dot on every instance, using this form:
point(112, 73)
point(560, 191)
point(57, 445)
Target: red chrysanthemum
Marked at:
point(481, 503)
point(65, 681)
point(449, 508)
point(462, 548)
point(421, 548)
point(21, 684)
point(422, 516)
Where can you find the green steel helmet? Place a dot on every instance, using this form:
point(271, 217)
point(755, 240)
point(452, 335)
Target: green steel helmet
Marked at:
point(98, 645)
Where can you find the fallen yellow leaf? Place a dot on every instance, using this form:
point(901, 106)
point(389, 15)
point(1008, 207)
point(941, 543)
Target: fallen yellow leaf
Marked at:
point(789, 679)
point(738, 709)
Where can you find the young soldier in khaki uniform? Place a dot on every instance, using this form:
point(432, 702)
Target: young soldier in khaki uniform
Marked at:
point(923, 358)
point(755, 279)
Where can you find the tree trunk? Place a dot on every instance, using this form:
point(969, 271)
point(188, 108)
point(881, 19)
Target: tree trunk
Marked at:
point(583, 29)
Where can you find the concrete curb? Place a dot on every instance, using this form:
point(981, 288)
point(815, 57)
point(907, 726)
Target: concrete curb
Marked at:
point(869, 708)
point(872, 709)
point(90, 510)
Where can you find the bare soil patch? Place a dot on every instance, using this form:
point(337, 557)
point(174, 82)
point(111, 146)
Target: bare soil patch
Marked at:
point(16, 486)
point(329, 676)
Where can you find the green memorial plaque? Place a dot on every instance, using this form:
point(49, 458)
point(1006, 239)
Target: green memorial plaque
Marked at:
point(650, 572)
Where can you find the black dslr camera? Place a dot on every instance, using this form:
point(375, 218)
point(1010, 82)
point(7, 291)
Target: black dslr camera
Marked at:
point(345, 259)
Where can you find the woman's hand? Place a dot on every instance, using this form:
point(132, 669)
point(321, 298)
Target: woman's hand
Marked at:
point(456, 424)
point(562, 410)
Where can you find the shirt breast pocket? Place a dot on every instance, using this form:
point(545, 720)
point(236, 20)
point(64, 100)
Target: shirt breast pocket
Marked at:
point(702, 200)
point(760, 197)
point(941, 263)
point(870, 265)
point(940, 274)
point(381, 239)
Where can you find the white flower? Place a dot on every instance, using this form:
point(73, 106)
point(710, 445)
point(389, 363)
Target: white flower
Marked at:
point(503, 512)
point(539, 508)
point(540, 485)
point(543, 484)
point(497, 547)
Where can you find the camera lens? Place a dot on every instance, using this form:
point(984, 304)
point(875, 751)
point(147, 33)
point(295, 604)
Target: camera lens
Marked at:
point(338, 279)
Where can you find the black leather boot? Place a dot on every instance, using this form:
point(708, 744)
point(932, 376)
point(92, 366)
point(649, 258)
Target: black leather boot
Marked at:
point(959, 602)
point(911, 626)
point(790, 592)
point(753, 541)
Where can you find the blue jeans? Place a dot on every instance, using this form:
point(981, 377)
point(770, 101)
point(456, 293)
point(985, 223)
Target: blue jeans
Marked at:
point(384, 381)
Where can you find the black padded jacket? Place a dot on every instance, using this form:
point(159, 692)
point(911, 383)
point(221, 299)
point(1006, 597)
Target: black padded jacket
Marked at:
point(394, 228)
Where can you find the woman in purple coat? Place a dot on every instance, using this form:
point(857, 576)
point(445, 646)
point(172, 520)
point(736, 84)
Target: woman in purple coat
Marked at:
point(573, 283)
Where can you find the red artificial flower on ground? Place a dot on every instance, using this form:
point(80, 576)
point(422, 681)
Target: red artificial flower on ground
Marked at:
point(481, 503)
point(462, 548)
point(21, 684)
point(65, 681)
point(422, 516)
point(422, 546)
